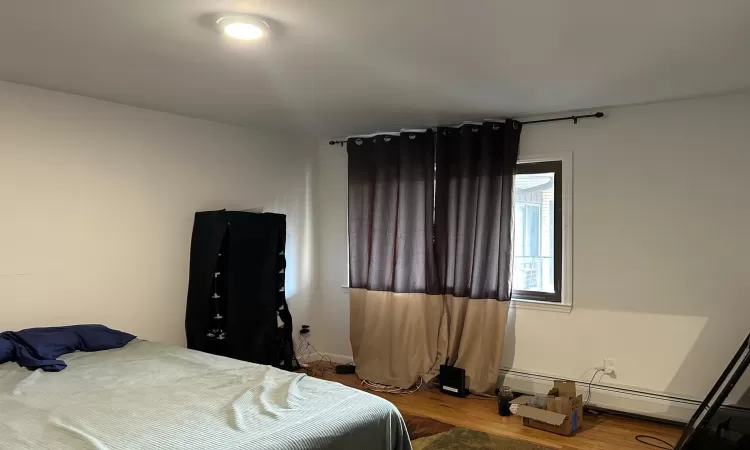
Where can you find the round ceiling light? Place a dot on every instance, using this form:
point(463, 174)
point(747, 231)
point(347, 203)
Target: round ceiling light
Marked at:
point(244, 28)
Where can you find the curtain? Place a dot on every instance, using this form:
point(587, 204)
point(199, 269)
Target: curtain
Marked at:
point(475, 167)
point(430, 218)
point(395, 312)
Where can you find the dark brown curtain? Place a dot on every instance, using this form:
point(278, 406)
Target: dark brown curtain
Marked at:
point(390, 213)
point(475, 166)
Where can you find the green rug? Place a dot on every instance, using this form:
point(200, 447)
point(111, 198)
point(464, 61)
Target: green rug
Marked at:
point(430, 434)
point(464, 439)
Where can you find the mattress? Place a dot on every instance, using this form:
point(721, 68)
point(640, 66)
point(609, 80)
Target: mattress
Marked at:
point(154, 396)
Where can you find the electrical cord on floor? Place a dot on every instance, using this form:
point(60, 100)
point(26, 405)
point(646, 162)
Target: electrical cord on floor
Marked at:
point(640, 438)
point(483, 397)
point(388, 389)
point(588, 396)
point(315, 369)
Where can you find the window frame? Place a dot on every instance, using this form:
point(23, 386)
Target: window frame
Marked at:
point(564, 193)
point(555, 167)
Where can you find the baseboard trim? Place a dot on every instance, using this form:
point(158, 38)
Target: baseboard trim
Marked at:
point(623, 399)
point(608, 397)
point(340, 359)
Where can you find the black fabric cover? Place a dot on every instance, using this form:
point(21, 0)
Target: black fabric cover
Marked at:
point(247, 250)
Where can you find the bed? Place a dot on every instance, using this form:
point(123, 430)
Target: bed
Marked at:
point(154, 396)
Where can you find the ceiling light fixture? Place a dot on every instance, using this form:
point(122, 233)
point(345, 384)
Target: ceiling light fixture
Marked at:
point(243, 27)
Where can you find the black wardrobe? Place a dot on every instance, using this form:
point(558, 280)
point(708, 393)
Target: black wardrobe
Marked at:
point(236, 305)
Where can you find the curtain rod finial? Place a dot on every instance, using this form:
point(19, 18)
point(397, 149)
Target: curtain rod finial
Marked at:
point(599, 115)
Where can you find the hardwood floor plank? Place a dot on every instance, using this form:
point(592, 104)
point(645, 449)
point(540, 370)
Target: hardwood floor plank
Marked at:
point(598, 433)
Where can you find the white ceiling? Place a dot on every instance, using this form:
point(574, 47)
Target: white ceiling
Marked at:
point(350, 66)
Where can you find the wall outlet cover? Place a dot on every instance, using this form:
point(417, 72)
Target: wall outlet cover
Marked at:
point(609, 365)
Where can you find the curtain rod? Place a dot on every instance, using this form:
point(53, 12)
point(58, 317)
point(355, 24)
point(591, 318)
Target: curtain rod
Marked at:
point(597, 115)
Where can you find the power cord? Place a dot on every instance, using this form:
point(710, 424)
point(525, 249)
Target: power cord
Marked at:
point(640, 438)
point(388, 389)
point(316, 369)
point(588, 396)
point(483, 397)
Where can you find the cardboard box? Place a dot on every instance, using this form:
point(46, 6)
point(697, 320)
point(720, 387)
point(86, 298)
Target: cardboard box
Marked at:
point(563, 414)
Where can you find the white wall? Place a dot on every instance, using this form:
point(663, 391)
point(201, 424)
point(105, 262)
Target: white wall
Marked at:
point(661, 254)
point(97, 202)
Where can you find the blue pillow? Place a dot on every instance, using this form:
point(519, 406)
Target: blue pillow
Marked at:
point(94, 338)
point(46, 343)
point(39, 348)
point(6, 350)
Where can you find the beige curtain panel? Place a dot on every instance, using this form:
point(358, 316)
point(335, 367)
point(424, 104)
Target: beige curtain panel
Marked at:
point(430, 221)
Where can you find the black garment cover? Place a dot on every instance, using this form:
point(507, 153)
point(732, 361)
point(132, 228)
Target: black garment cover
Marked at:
point(237, 285)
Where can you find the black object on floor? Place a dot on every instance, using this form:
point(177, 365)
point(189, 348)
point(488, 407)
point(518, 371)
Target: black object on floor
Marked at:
point(346, 368)
point(715, 426)
point(236, 304)
point(504, 397)
point(453, 381)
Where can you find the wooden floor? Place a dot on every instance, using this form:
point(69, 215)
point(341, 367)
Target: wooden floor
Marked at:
point(599, 433)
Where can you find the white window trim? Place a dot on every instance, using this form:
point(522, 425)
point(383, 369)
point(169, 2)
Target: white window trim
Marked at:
point(566, 296)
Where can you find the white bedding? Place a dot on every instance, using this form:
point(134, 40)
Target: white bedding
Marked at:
point(154, 396)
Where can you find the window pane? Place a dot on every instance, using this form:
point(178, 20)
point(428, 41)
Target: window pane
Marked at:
point(534, 231)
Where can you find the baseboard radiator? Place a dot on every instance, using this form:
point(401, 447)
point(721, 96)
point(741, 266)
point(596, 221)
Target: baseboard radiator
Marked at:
point(615, 398)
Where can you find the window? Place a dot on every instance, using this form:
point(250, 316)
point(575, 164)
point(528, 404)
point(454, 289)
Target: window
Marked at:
point(537, 232)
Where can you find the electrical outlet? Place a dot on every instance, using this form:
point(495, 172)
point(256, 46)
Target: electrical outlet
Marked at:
point(609, 365)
